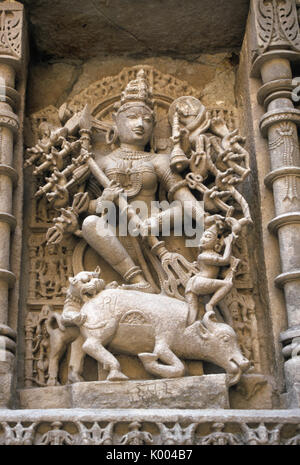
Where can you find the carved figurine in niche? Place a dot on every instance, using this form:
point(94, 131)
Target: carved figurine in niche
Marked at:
point(242, 326)
point(206, 164)
point(218, 437)
point(57, 436)
point(136, 437)
point(50, 271)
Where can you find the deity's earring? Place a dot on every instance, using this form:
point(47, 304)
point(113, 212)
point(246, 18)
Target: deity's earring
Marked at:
point(112, 135)
point(153, 146)
point(218, 247)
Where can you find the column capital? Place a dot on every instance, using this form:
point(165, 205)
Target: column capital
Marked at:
point(276, 33)
point(11, 33)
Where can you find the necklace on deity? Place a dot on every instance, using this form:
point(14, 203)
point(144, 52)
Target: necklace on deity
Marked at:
point(130, 154)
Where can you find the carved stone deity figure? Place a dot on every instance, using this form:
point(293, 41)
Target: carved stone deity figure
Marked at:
point(209, 262)
point(85, 186)
point(138, 174)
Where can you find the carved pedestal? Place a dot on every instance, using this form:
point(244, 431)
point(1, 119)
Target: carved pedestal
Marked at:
point(194, 392)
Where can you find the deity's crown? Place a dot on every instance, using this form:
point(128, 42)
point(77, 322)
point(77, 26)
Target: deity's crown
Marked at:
point(137, 91)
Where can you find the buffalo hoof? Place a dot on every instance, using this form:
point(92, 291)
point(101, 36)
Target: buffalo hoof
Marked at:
point(116, 375)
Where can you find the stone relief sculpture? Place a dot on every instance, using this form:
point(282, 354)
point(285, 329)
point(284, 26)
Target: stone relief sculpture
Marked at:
point(89, 432)
point(135, 437)
point(132, 323)
point(220, 437)
point(56, 436)
point(177, 435)
point(95, 435)
point(102, 176)
point(275, 22)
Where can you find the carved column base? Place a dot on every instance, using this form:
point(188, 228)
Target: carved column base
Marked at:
point(291, 350)
point(7, 360)
point(292, 376)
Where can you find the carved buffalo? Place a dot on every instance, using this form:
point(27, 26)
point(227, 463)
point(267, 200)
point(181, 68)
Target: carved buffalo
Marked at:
point(153, 327)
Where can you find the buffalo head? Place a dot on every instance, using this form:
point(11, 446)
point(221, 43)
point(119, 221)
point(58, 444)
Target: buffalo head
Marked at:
point(221, 347)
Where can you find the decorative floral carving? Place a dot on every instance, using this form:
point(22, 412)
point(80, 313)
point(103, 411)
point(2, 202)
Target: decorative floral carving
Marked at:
point(277, 24)
point(286, 143)
point(62, 431)
point(18, 435)
point(11, 26)
point(177, 435)
point(95, 435)
point(261, 435)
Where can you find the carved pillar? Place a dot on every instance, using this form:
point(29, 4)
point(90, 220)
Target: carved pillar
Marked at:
point(11, 66)
point(276, 31)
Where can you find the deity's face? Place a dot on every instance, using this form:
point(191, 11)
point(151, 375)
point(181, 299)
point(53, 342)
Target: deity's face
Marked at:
point(135, 125)
point(208, 240)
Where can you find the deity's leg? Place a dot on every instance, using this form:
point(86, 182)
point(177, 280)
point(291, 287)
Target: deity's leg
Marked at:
point(223, 287)
point(192, 301)
point(102, 238)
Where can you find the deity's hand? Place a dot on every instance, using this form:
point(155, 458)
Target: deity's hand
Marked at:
point(210, 194)
point(60, 195)
point(81, 202)
point(218, 126)
point(67, 222)
point(232, 138)
point(150, 226)
point(228, 240)
point(112, 192)
point(195, 160)
point(55, 234)
point(226, 178)
point(236, 225)
point(69, 219)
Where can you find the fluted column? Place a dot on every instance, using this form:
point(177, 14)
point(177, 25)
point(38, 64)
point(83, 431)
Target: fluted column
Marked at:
point(11, 56)
point(276, 31)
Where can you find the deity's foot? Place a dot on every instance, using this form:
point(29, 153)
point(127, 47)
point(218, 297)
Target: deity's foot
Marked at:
point(141, 287)
point(116, 375)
